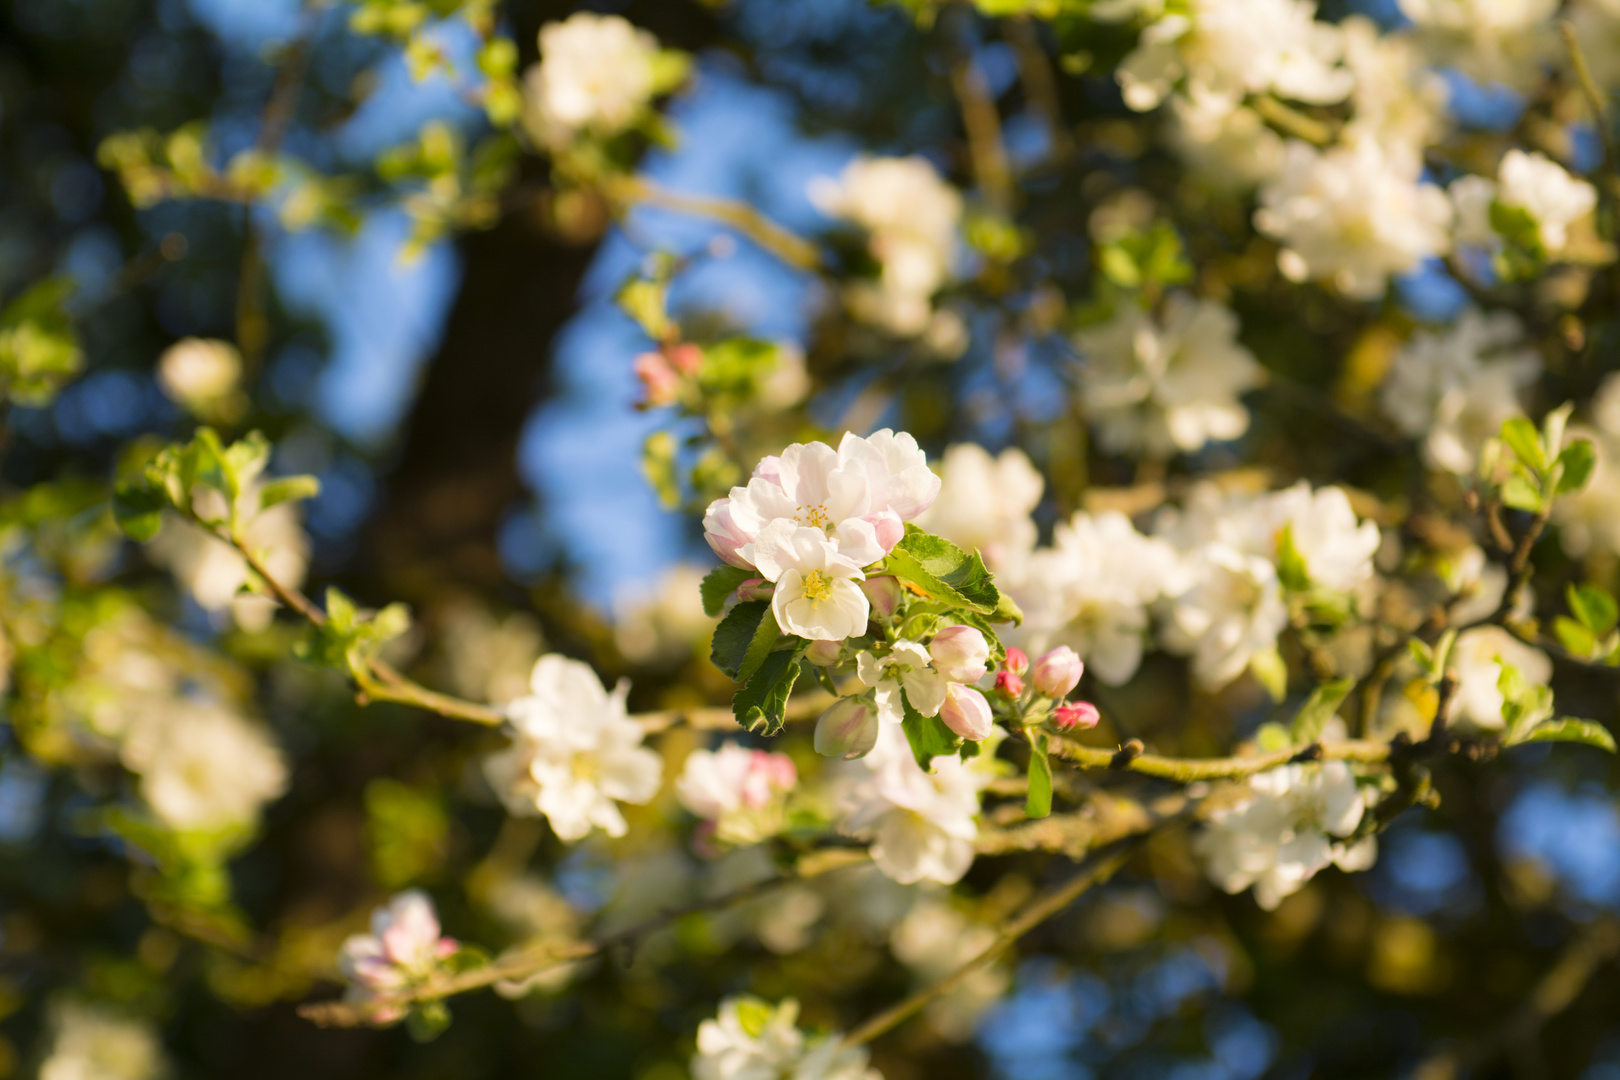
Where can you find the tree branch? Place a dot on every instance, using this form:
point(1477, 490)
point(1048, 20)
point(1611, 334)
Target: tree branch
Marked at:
point(629, 191)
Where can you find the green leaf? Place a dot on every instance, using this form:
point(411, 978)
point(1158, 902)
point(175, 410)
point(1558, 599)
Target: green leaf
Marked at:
point(1518, 226)
point(1291, 569)
point(1271, 672)
point(761, 704)
point(1569, 729)
point(764, 640)
point(1594, 607)
point(928, 736)
point(139, 510)
point(944, 571)
point(1521, 436)
point(288, 489)
point(1319, 709)
point(1270, 737)
point(1520, 494)
point(1038, 803)
point(1524, 704)
point(719, 584)
point(1573, 636)
point(428, 1021)
point(1578, 460)
point(736, 632)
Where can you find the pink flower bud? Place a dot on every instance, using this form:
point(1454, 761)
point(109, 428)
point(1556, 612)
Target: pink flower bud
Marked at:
point(1075, 716)
point(687, 358)
point(888, 527)
point(659, 379)
point(966, 712)
point(1017, 661)
point(960, 653)
point(848, 730)
point(884, 593)
point(755, 588)
point(824, 653)
point(1058, 672)
point(724, 535)
point(767, 775)
point(1008, 684)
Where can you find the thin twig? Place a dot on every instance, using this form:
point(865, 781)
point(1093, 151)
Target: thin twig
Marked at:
point(628, 191)
point(1590, 91)
point(1035, 69)
point(1098, 868)
point(982, 123)
point(1187, 770)
point(526, 963)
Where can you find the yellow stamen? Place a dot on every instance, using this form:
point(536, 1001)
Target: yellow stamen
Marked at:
point(817, 586)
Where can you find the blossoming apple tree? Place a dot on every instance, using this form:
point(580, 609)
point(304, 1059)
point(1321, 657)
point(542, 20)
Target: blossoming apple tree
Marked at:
point(1271, 563)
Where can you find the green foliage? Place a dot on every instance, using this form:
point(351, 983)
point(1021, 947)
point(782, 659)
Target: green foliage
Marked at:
point(761, 704)
point(719, 584)
point(409, 832)
point(350, 637)
point(39, 348)
point(946, 574)
point(735, 635)
point(1540, 467)
point(1318, 709)
point(1145, 259)
point(1527, 712)
point(1038, 802)
point(928, 736)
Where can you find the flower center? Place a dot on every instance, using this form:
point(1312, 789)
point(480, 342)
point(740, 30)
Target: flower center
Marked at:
point(817, 586)
point(817, 517)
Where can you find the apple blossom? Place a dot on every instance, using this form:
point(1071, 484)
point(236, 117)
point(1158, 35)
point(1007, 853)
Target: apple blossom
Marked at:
point(575, 753)
point(960, 653)
point(596, 73)
point(824, 653)
point(1476, 664)
point(739, 789)
point(908, 668)
point(934, 940)
point(1057, 672)
point(93, 1042)
point(203, 767)
point(966, 712)
point(1009, 685)
point(403, 948)
point(984, 504)
point(1017, 660)
point(752, 1040)
point(849, 729)
point(200, 373)
point(1533, 183)
point(816, 594)
point(884, 593)
point(1075, 716)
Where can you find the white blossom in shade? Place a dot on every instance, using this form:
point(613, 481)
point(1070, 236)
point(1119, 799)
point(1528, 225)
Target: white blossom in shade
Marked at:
point(742, 791)
point(753, 1040)
point(1477, 582)
point(1232, 612)
point(1476, 663)
point(1336, 548)
point(488, 658)
point(664, 623)
point(984, 504)
point(1228, 49)
point(1292, 822)
point(1166, 384)
point(908, 668)
point(1534, 183)
point(860, 495)
point(922, 825)
point(934, 940)
point(816, 595)
point(1589, 519)
point(1398, 102)
point(214, 572)
point(1352, 215)
point(200, 373)
point(1503, 41)
point(1234, 149)
point(596, 73)
point(1091, 590)
point(911, 217)
point(403, 948)
point(1454, 388)
point(91, 1042)
point(203, 767)
point(575, 754)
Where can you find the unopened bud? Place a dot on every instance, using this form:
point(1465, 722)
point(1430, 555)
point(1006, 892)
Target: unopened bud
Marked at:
point(1058, 672)
point(1075, 716)
point(755, 588)
point(848, 730)
point(1017, 661)
point(824, 653)
point(1008, 684)
point(966, 712)
point(960, 653)
point(687, 358)
point(884, 593)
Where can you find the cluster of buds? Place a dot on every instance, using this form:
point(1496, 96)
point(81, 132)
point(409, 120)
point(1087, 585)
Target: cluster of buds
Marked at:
point(1054, 676)
point(663, 372)
point(402, 951)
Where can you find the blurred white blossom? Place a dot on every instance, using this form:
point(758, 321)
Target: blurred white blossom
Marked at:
point(911, 216)
point(91, 1042)
point(200, 373)
point(575, 753)
point(596, 73)
point(1476, 663)
point(1533, 183)
point(1453, 388)
point(984, 504)
point(753, 1040)
point(1503, 41)
point(663, 624)
point(741, 791)
point(203, 767)
point(1589, 519)
point(1352, 215)
point(934, 940)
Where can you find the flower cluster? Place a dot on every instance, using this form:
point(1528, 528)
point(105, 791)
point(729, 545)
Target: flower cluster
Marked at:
point(752, 1040)
point(403, 948)
point(597, 76)
point(741, 792)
